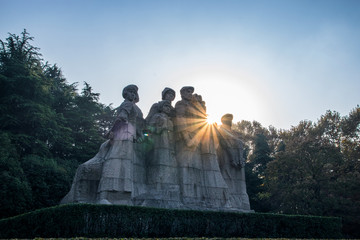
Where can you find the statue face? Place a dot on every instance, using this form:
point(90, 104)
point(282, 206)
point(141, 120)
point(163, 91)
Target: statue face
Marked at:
point(187, 94)
point(170, 96)
point(166, 108)
point(132, 95)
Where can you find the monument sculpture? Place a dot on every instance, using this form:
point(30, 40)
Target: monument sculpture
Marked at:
point(171, 159)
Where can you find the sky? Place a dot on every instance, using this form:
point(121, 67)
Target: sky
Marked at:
point(277, 62)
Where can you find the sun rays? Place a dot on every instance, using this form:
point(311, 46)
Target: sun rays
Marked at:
point(210, 119)
point(203, 128)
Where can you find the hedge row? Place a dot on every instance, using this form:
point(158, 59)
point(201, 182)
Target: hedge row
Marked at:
point(87, 220)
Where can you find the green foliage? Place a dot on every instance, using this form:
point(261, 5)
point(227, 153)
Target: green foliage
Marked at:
point(313, 168)
point(123, 221)
point(48, 180)
point(46, 128)
point(15, 192)
point(87, 124)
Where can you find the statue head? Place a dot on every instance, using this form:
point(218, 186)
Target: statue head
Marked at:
point(168, 94)
point(186, 93)
point(165, 106)
point(227, 119)
point(130, 93)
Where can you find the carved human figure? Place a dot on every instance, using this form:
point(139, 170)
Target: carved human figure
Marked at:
point(232, 163)
point(167, 94)
point(162, 167)
point(117, 179)
point(188, 154)
point(108, 177)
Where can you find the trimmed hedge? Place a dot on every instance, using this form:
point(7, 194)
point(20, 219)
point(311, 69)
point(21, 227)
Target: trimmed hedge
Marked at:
point(87, 220)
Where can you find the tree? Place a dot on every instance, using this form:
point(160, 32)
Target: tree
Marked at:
point(46, 128)
point(15, 192)
point(88, 121)
point(48, 180)
point(300, 177)
point(349, 179)
point(25, 94)
point(317, 170)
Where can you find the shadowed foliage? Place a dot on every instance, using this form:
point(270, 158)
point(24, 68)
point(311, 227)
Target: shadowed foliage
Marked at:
point(87, 220)
point(46, 128)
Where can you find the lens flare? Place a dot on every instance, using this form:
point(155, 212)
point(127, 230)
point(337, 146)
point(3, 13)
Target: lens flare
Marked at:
point(211, 120)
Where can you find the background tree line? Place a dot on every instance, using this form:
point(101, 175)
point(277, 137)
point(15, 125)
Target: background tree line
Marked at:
point(311, 169)
point(47, 128)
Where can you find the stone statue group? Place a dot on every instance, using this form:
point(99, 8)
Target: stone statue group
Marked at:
point(171, 159)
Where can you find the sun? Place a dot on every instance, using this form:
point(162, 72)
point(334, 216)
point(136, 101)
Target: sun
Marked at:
point(211, 119)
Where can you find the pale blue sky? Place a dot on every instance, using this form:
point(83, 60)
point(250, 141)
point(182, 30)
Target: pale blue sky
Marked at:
point(274, 61)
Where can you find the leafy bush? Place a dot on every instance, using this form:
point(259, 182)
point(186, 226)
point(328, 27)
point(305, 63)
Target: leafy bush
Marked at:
point(86, 220)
